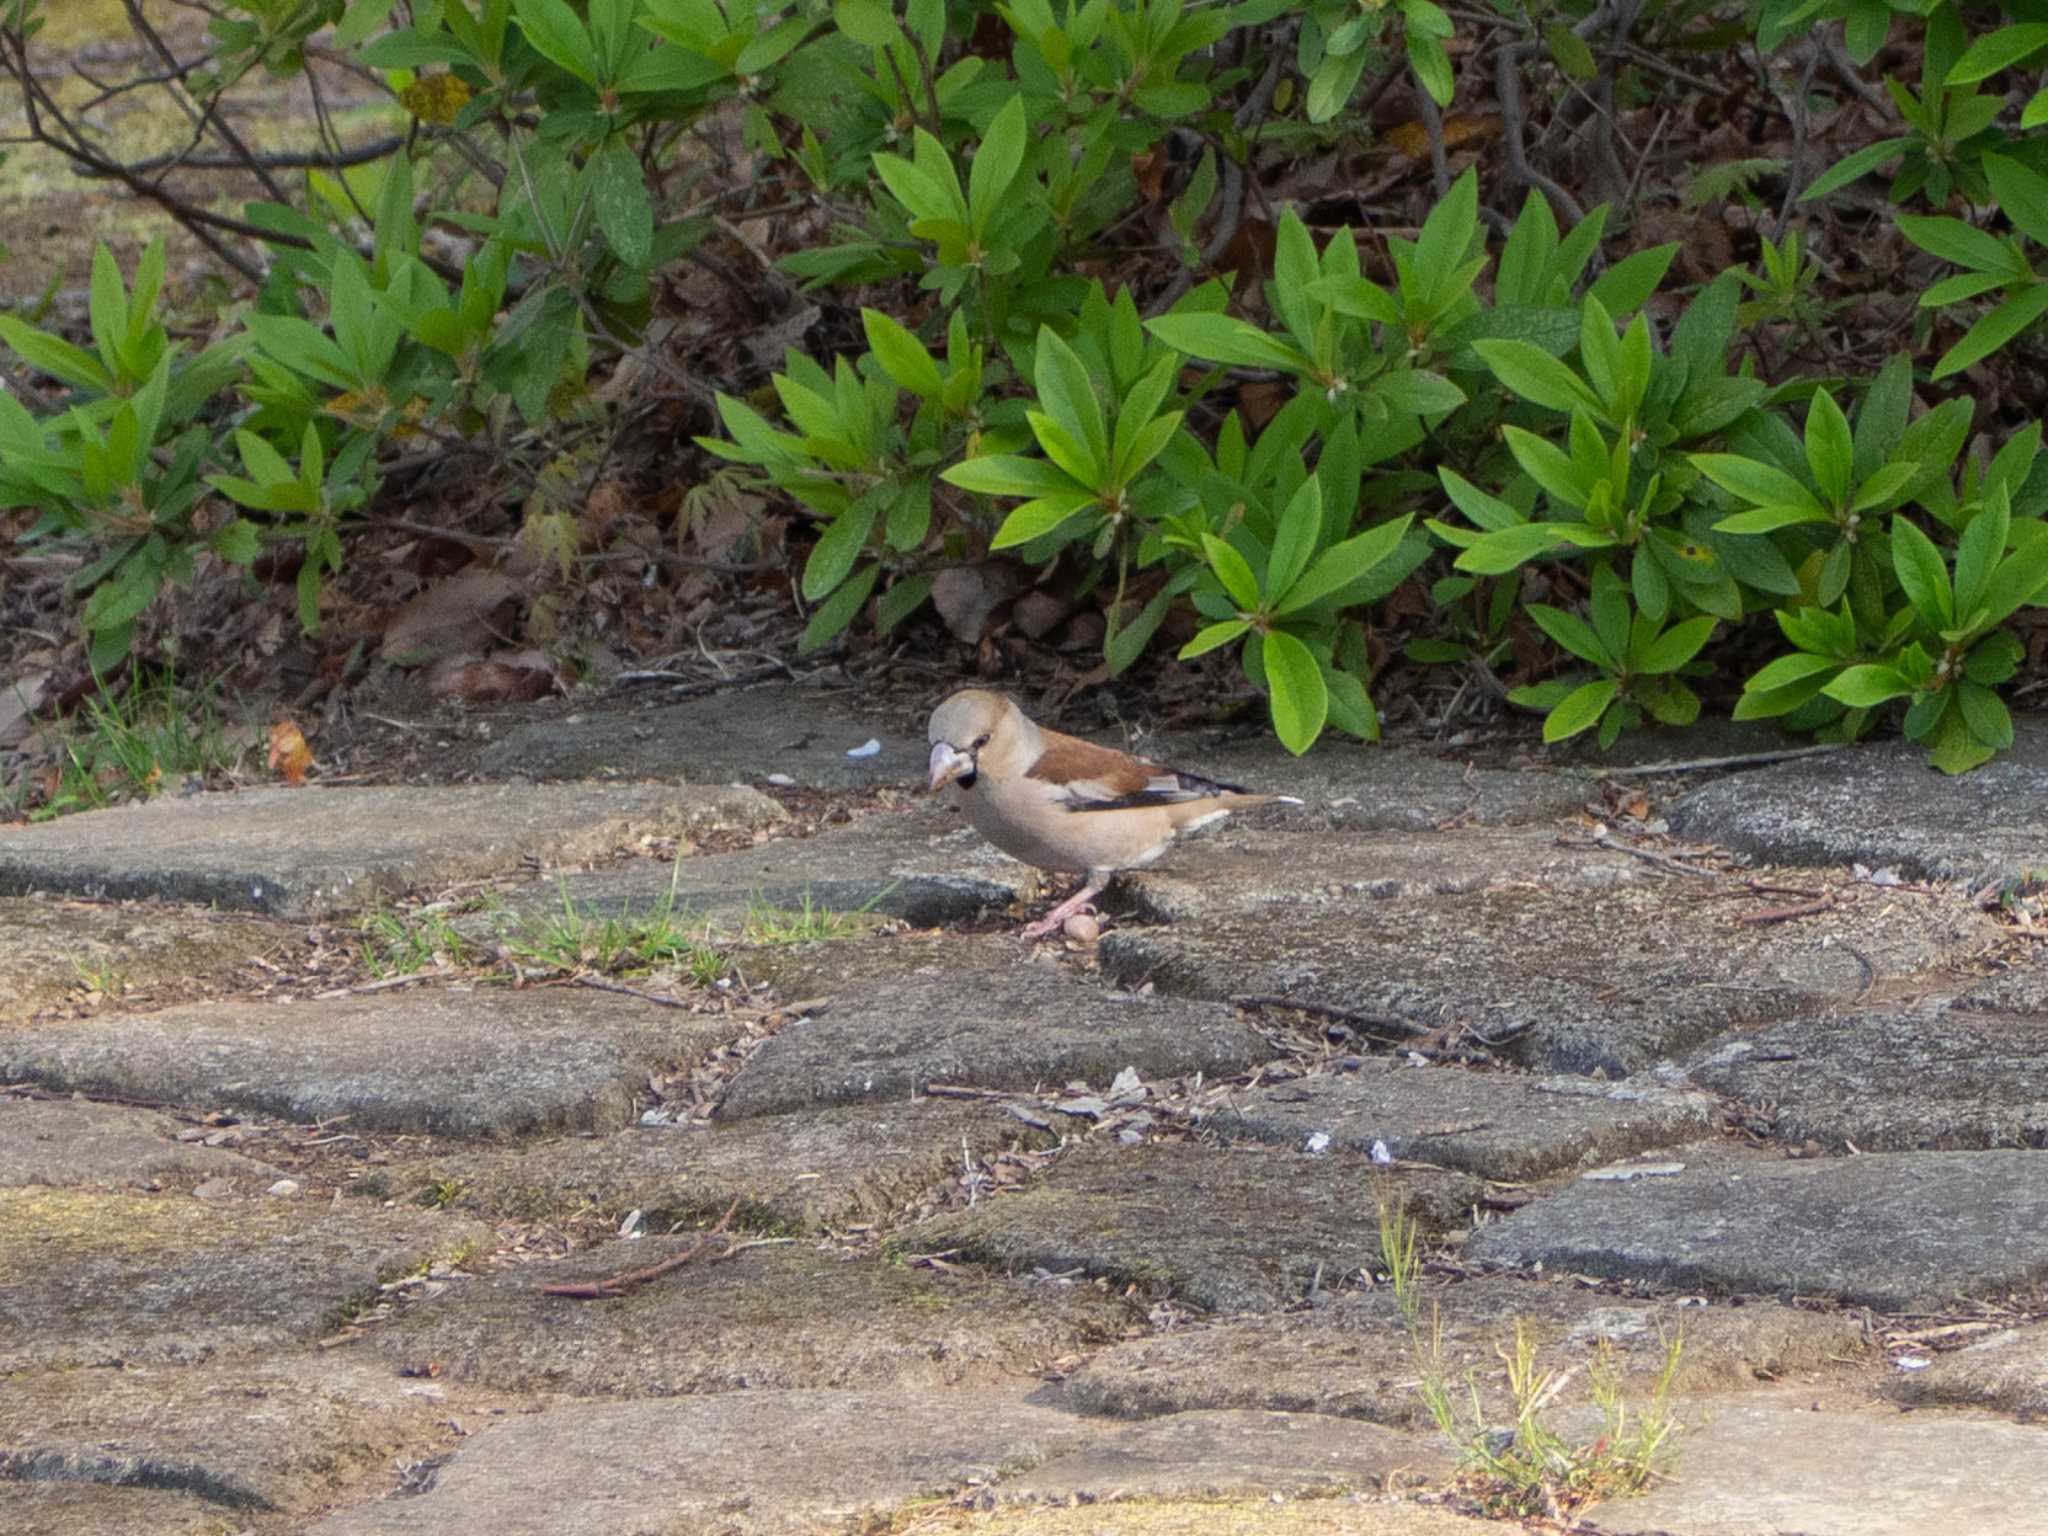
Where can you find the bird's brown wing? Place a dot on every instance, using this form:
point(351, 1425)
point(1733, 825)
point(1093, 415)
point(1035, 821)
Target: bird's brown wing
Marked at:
point(1092, 778)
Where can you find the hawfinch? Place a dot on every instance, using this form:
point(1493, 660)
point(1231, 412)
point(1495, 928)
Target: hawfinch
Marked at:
point(1061, 803)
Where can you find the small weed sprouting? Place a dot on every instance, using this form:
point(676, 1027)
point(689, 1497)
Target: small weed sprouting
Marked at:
point(395, 945)
point(1529, 1467)
point(577, 939)
point(130, 742)
point(442, 1193)
point(100, 976)
point(805, 923)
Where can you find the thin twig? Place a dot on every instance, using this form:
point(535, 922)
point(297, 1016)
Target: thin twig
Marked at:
point(1736, 760)
point(1786, 914)
point(599, 984)
point(1386, 1021)
point(1612, 844)
point(631, 1280)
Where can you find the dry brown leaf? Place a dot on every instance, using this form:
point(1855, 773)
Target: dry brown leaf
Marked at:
point(967, 597)
point(452, 618)
point(20, 697)
point(290, 757)
point(513, 677)
point(1460, 129)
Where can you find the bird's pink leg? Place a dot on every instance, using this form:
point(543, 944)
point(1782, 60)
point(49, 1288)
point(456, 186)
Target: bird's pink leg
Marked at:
point(1054, 919)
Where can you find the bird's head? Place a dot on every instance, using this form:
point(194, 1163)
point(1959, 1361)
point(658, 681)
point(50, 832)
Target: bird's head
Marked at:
point(964, 727)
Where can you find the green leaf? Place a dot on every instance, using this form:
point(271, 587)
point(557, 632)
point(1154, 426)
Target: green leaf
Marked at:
point(1126, 643)
point(902, 356)
point(1676, 646)
point(827, 623)
point(1995, 330)
point(1342, 564)
point(1830, 453)
point(1784, 672)
point(1503, 549)
point(1985, 714)
point(1538, 377)
point(838, 547)
point(1865, 686)
point(1424, 394)
point(1954, 241)
point(996, 163)
point(1009, 474)
point(1037, 518)
point(1569, 51)
point(1627, 285)
point(1233, 572)
point(1139, 437)
point(1206, 640)
point(58, 358)
point(618, 196)
point(1221, 339)
point(1547, 465)
point(1922, 572)
point(901, 601)
point(2020, 579)
point(1580, 709)
point(1299, 699)
point(1432, 66)
point(1295, 540)
point(1358, 297)
point(1068, 396)
point(1450, 229)
point(1854, 167)
point(1610, 610)
point(871, 23)
point(1754, 481)
point(2022, 196)
point(558, 36)
point(1574, 634)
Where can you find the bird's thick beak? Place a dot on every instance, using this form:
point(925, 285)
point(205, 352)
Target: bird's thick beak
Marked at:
point(948, 763)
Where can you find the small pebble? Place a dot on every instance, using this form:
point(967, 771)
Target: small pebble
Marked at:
point(1082, 928)
point(284, 1189)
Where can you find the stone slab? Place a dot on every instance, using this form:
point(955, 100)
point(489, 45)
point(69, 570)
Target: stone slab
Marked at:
point(765, 1463)
point(734, 737)
point(456, 1062)
point(793, 1174)
point(789, 1315)
point(56, 951)
point(2020, 987)
point(2006, 1372)
point(909, 1013)
point(1745, 1466)
point(94, 1509)
point(67, 1143)
point(1355, 1358)
point(313, 852)
point(1498, 1125)
point(1353, 1516)
point(1897, 1231)
point(89, 1278)
point(1217, 1454)
point(1230, 1229)
point(1610, 979)
point(1882, 806)
point(1282, 859)
point(1891, 1080)
point(285, 1435)
point(924, 865)
point(1364, 788)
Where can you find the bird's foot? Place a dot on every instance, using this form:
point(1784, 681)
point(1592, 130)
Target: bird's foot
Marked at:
point(1081, 901)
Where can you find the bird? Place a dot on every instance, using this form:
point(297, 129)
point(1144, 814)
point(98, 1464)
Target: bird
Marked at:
point(1064, 804)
